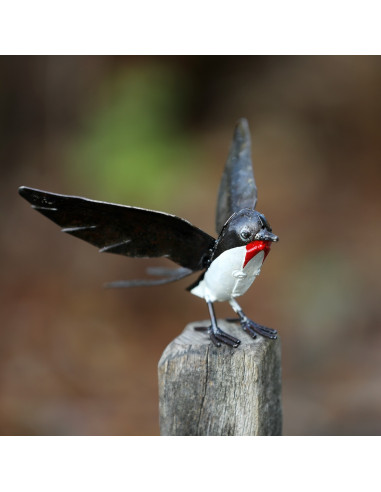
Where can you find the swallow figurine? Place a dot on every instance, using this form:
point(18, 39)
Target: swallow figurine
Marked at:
point(229, 264)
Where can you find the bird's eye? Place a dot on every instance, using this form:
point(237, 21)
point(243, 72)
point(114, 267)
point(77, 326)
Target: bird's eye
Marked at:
point(245, 234)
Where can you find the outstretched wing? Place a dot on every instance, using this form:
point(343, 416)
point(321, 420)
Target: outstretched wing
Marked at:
point(237, 188)
point(125, 230)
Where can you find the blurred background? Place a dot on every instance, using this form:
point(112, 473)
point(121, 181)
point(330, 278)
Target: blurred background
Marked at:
point(154, 132)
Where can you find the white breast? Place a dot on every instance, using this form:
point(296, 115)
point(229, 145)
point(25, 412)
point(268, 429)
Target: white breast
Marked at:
point(226, 278)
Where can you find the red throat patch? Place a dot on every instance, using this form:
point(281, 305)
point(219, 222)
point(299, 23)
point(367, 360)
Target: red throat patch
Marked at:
point(254, 248)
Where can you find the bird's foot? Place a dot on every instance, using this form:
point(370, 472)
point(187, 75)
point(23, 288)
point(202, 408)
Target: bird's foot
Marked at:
point(218, 336)
point(253, 328)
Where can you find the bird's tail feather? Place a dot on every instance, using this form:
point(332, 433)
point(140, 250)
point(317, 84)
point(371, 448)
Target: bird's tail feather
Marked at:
point(169, 274)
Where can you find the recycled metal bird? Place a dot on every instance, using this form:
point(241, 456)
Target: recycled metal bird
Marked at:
point(229, 264)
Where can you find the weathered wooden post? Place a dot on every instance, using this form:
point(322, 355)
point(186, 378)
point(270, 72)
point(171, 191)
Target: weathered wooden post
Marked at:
point(220, 391)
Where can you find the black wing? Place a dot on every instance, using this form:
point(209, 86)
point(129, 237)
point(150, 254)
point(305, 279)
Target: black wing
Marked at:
point(237, 188)
point(125, 230)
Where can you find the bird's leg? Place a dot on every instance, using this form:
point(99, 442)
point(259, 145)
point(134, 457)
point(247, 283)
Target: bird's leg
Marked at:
point(216, 334)
point(250, 326)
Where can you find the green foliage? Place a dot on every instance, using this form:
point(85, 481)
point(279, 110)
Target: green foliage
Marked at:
point(133, 146)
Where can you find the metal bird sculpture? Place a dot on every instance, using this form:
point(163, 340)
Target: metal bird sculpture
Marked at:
point(229, 264)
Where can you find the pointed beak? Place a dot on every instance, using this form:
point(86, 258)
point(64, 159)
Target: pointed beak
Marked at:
point(265, 235)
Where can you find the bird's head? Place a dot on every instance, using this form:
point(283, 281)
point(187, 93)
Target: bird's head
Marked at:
point(242, 228)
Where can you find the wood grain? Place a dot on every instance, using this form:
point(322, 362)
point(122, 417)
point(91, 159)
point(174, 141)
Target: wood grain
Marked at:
point(220, 391)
